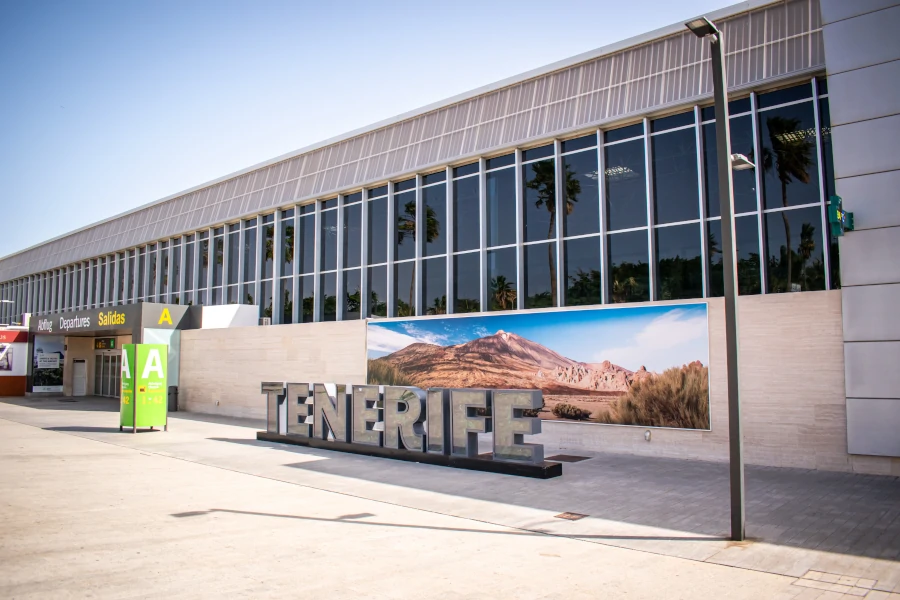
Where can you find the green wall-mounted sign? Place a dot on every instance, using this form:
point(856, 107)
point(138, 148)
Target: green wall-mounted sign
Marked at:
point(839, 219)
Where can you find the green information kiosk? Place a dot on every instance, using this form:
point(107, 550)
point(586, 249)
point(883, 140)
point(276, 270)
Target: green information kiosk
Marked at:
point(144, 386)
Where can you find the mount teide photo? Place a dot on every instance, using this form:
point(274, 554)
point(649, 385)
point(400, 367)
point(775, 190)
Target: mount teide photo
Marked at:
point(506, 360)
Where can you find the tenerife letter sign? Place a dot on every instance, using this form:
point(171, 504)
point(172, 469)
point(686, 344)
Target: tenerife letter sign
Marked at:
point(438, 426)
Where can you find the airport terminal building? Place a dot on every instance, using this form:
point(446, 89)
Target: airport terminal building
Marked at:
point(587, 183)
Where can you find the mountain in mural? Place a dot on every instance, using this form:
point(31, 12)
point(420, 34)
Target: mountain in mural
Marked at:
point(501, 360)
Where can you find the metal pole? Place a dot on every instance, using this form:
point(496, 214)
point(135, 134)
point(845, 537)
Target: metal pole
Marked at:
point(726, 201)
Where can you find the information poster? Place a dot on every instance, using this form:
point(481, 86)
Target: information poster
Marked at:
point(49, 357)
point(144, 385)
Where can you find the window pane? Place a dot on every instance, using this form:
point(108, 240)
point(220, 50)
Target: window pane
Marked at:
point(140, 278)
point(582, 215)
point(268, 240)
point(248, 296)
point(328, 240)
point(540, 275)
point(378, 291)
point(234, 249)
point(434, 177)
point(306, 262)
point(405, 289)
point(402, 186)
point(188, 269)
point(265, 306)
point(287, 247)
point(741, 129)
point(218, 296)
point(287, 300)
point(378, 235)
point(176, 267)
point(501, 207)
point(249, 255)
point(582, 271)
point(405, 223)
point(626, 186)
point(500, 161)
point(220, 260)
point(539, 195)
point(466, 221)
point(434, 294)
point(535, 153)
point(352, 294)
point(435, 201)
point(797, 92)
point(747, 232)
point(827, 159)
point(466, 278)
point(151, 278)
point(328, 287)
point(163, 276)
point(672, 122)
point(623, 133)
point(675, 176)
point(794, 242)
point(306, 293)
point(465, 170)
point(501, 276)
point(790, 166)
point(232, 295)
point(379, 191)
point(578, 143)
point(629, 271)
point(680, 264)
point(353, 235)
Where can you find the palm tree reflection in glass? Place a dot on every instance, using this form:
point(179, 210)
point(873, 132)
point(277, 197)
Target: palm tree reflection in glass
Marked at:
point(790, 159)
point(502, 294)
point(543, 182)
point(406, 231)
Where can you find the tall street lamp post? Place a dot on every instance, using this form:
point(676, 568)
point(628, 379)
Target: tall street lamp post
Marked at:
point(703, 28)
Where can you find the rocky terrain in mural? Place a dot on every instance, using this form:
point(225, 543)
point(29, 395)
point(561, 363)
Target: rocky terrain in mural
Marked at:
point(573, 390)
point(505, 360)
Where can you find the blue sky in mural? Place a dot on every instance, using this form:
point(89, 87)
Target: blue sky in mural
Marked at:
point(657, 337)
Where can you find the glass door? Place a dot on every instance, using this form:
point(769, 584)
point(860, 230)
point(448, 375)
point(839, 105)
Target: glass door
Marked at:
point(107, 374)
point(116, 376)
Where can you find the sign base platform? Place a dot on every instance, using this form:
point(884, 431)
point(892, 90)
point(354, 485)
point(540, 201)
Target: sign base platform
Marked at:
point(135, 429)
point(545, 470)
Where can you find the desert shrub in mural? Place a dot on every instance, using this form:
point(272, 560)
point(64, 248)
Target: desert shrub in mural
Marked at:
point(676, 398)
point(386, 374)
point(630, 366)
point(564, 410)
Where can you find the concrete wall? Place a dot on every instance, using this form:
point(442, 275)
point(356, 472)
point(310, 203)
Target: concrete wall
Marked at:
point(221, 369)
point(792, 383)
point(862, 55)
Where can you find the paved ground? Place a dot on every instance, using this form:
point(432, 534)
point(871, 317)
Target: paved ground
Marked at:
point(205, 509)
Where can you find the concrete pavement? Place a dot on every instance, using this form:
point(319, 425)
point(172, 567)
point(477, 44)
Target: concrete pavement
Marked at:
point(205, 509)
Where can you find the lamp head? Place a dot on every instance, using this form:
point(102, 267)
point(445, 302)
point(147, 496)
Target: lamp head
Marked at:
point(739, 162)
point(702, 27)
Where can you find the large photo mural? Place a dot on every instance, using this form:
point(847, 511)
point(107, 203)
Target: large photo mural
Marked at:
point(644, 366)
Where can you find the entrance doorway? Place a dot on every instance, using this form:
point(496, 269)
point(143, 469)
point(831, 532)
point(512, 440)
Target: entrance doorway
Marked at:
point(79, 378)
point(107, 374)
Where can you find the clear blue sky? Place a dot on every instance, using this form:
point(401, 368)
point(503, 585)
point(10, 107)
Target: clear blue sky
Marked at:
point(105, 106)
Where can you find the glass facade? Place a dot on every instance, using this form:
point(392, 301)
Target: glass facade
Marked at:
point(640, 222)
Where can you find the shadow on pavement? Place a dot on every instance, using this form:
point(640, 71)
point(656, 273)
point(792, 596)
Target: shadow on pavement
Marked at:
point(80, 404)
point(355, 520)
point(78, 429)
